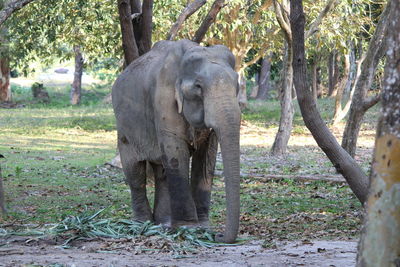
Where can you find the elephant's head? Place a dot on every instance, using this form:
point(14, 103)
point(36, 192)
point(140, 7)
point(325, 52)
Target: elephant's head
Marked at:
point(206, 93)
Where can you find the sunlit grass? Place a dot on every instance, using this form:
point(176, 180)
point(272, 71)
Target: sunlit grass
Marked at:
point(55, 157)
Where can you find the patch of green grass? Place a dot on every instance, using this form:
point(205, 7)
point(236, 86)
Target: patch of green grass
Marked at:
point(54, 168)
point(267, 113)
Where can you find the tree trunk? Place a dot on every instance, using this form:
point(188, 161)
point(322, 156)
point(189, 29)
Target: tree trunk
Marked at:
point(77, 83)
point(242, 96)
point(360, 104)
point(2, 197)
point(380, 238)
point(341, 87)
point(5, 88)
point(146, 22)
point(333, 72)
point(10, 7)
point(314, 79)
point(189, 10)
point(354, 75)
point(319, 87)
point(129, 45)
point(282, 12)
point(264, 82)
point(287, 110)
point(208, 21)
point(342, 161)
point(330, 72)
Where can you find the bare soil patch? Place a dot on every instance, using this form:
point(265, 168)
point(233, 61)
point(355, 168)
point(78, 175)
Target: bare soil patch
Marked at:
point(19, 252)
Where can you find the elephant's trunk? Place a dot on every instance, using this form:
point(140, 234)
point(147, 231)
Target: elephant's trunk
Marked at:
point(227, 127)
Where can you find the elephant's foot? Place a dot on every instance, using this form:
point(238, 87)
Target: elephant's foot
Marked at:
point(204, 224)
point(163, 221)
point(189, 224)
point(143, 218)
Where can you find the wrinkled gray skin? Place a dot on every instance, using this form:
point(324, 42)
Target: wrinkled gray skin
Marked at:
point(172, 103)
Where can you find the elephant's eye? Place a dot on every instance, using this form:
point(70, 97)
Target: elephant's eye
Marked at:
point(197, 89)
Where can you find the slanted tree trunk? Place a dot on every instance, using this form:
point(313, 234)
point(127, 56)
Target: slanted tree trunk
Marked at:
point(264, 81)
point(10, 7)
point(350, 88)
point(208, 20)
point(279, 146)
point(380, 237)
point(346, 89)
point(360, 103)
point(189, 10)
point(77, 83)
point(342, 161)
point(282, 12)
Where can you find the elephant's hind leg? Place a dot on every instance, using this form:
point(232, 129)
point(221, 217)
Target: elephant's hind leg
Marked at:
point(162, 208)
point(203, 165)
point(135, 173)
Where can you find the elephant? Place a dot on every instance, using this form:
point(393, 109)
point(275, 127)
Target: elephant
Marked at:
point(171, 104)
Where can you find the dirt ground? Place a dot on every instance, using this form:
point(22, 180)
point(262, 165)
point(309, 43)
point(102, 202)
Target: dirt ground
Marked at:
point(28, 252)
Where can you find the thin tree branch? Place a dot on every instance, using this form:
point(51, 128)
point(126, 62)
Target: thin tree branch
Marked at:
point(189, 10)
point(287, 32)
point(210, 18)
point(256, 57)
point(11, 7)
point(314, 26)
point(263, 7)
point(370, 102)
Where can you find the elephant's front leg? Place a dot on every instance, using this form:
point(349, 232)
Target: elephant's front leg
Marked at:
point(175, 159)
point(203, 165)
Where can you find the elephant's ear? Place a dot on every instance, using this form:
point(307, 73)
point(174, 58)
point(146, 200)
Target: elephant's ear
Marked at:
point(175, 56)
point(179, 95)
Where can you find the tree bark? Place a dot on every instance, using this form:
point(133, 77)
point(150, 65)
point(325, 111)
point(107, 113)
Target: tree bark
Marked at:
point(279, 146)
point(2, 196)
point(342, 161)
point(208, 21)
point(314, 26)
point(380, 238)
point(5, 88)
point(189, 10)
point(242, 95)
point(264, 81)
point(333, 72)
point(341, 87)
point(146, 27)
point(351, 89)
point(77, 83)
point(129, 45)
point(282, 11)
point(359, 104)
point(9, 8)
point(315, 78)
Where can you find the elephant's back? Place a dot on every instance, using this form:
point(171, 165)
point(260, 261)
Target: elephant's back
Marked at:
point(132, 103)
